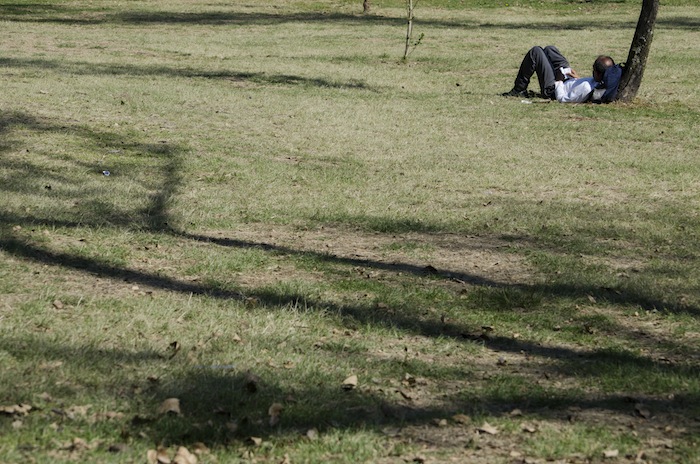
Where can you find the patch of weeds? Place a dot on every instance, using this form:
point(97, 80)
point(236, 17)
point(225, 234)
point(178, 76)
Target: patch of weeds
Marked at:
point(506, 298)
point(507, 391)
point(355, 285)
point(241, 260)
point(397, 225)
point(580, 440)
point(616, 369)
point(342, 447)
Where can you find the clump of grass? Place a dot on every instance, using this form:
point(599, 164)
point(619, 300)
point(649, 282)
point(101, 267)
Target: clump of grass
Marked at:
point(240, 206)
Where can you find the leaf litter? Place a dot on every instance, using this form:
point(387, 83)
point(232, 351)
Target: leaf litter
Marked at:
point(512, 360)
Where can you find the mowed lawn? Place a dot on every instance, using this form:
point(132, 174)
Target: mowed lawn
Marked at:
point(248, 231)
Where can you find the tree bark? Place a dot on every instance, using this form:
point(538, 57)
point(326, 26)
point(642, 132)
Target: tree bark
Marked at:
point(639, 51)
point(366, 6)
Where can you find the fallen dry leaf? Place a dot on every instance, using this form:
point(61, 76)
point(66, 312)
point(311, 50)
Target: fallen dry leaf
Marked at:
point(274, 412)
point(642, 411)
point(391, 431)
point(350, 383)
point(183, 456)
point(255, 441)
point(439, 422)
point(200, 448)
point(162, 457)
point(58, 304)
point(516, 413)
point(529, 428)
point(45, 397)
point(662, 443)
point(21, 409)
point(78, 444)
point(77, 411)
point(159, 456)
point(409, 380)
point(609, 454)
point(488, 428)
point(170, 406)
point(113, 415)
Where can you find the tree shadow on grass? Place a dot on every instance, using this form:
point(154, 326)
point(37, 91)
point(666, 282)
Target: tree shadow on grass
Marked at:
point(261, 78)
point(211, 399)
point(70, 16)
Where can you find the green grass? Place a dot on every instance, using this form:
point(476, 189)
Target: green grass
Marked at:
point(288, 199)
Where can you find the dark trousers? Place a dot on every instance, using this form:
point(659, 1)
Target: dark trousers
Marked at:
point(542, 61)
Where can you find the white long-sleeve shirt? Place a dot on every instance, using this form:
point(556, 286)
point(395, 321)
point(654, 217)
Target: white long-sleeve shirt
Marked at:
point(574, 90)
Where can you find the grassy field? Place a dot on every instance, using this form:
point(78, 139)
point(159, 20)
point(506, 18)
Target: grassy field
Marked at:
point(248, 231)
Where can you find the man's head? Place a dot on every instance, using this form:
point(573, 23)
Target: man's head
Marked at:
point(600, 65)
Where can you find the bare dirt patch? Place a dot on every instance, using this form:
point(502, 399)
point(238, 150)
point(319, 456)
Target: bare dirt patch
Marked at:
point(479, 260)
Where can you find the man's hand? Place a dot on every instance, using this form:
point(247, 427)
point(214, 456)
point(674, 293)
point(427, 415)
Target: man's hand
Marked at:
point(562, 74)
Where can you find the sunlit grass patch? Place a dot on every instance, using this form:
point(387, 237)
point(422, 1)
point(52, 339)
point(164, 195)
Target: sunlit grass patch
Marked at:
point(241, 206)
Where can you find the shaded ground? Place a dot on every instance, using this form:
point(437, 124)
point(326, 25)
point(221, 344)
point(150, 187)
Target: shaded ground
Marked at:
point(436, 415)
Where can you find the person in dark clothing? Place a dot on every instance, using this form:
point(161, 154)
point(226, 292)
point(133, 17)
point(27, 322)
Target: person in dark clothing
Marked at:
point(556, 78)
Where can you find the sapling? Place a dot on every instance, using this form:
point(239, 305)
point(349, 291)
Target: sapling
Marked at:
point(410, 7)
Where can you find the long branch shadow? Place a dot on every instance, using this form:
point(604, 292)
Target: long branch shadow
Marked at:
point(211, 399)
point(155, 216)
point(559, 290)
point(262, 78)
point(63, 14)
point(204, 392)
point(355, 315)
point(233, 18)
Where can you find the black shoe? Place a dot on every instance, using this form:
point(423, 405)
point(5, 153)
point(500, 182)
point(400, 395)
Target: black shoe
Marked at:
point(519, 93)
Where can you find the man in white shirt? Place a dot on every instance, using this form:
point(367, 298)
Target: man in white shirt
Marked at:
point(556, 78)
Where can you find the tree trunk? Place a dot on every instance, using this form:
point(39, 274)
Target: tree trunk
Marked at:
point(639, 51)
point(365, 6)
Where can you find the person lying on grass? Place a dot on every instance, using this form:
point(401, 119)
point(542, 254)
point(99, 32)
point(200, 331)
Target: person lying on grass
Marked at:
point(557, 79)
